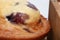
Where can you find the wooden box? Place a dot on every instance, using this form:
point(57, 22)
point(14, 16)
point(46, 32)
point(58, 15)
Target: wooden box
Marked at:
point(54, 17)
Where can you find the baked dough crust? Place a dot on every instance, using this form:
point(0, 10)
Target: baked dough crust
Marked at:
point(8, 7)
point(9, 31)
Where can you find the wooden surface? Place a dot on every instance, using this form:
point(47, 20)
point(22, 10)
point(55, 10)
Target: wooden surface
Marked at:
point(54, 17)
point(59, 0)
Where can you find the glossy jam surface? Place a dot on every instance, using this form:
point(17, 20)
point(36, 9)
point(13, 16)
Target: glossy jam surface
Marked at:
point(18, 18)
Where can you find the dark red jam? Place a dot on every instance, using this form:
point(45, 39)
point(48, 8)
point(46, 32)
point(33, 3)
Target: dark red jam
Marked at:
point(31, 6)
point(26, 29)
point(17, 3)
point(18, 18)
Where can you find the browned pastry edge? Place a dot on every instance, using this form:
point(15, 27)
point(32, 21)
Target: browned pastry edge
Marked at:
point(36, 36)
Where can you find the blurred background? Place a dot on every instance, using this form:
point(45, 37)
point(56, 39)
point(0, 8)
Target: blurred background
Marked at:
point(42, 5)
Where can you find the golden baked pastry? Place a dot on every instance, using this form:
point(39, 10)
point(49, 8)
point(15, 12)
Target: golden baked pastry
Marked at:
point(9, 31)
point(21, 21)
point(9, 7)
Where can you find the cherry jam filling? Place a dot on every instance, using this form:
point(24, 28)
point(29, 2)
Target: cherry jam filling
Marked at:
point(27, 30)
point(18, 18)
point(31, 6)
point(17, 3)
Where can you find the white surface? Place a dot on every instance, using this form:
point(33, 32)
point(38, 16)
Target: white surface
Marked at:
point(42, 5)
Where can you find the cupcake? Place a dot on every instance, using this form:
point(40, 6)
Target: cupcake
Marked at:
point(21, 20)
